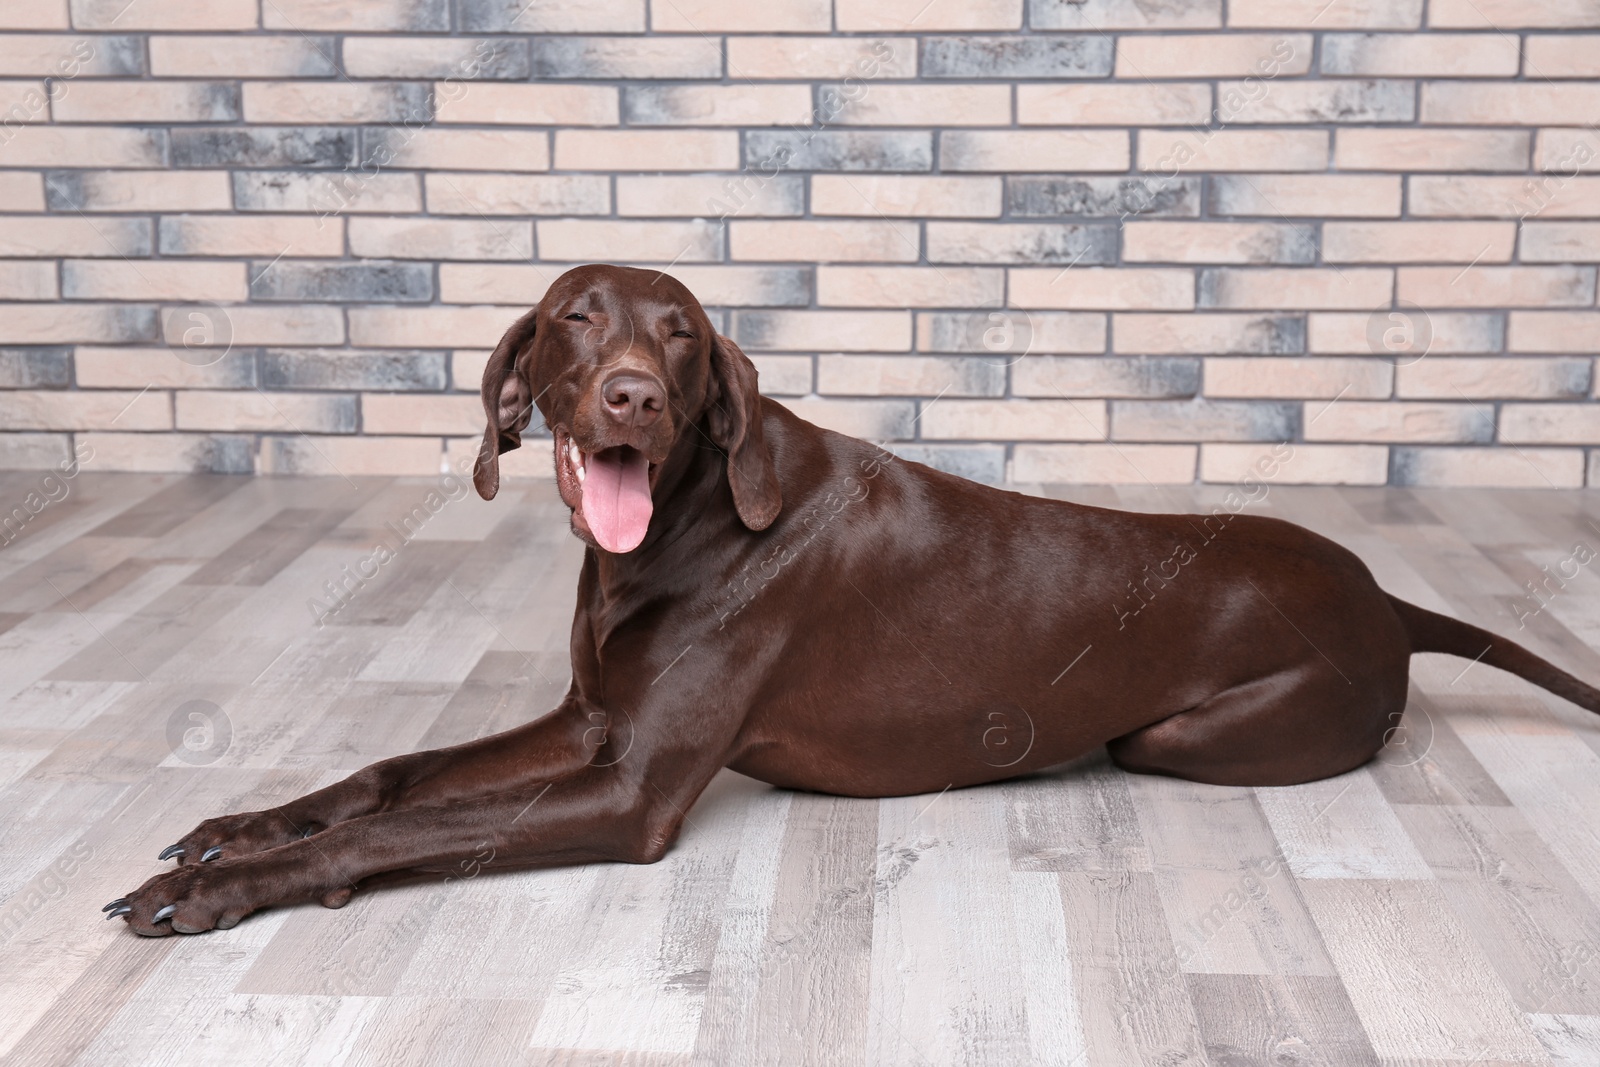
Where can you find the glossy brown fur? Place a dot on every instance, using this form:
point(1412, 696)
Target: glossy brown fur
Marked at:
point(811, 611)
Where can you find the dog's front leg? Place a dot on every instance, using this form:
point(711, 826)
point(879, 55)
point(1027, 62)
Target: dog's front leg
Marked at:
point(630, 812)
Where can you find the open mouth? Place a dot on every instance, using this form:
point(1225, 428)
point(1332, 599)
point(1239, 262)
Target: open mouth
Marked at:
point(611, 488)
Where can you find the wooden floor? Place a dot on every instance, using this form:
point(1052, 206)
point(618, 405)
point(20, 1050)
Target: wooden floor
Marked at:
point(161, 662)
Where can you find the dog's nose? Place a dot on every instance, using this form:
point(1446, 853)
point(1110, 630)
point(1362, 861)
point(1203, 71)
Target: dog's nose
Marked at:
point(633, 400)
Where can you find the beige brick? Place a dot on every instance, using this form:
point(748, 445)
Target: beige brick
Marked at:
point(1177, 151)
point(244, 235)
point(910, 376)
point(1421, 333)
point(351, 457)
point(85, 410)
point(1015, 420)
point(647, 150)
point(23, 102)
point(144, 101)
point(194, 190)
point(1524, 377)
point(528, 105)
point(1103, 288)
point(72, 235)
point(21, 192)
point(872, 420)
point(152, 279)
point(1532, 103)
point(466, 364)
point(912, 195)
point(240, 56)
point(163, 452)
point(1498, 286)
point(718, 16)
point(1221, 55)
point(413, 238)
point(717, 105)
point(908, 286)
point(395, 413)
point(33, 451)
point(1333, 100)
point(280, 324)
point(28, 279)
point(826, 242)
point(1564, 56)
point(1554, 331)
point(1505, 14)
point(436, 149)
point(1560, 242)
point(1098, 16)
point(1550, 424)
point(1017, 151)
point(1217, 242)
point(1121, 104)
point(1357, 420)
point(256, 410)
point(517, 194)
point(431, 327)
point(822, 57)
point(710, 195)
point(34, 14)
point(59, 323)
point(1322, 15)
point(460, 61)
point(1010, 332)
point(327, 194)
point(1490, 468)
point(1417, 149)
point(922, 16)
point(123, 17)
point(82, 146)
point(1418, 242)
point(595, 239)
point(159, 368)
point(1410, 55)
point(305, 102)
point(1550, 196)
point(1307, 195)
point(632, 58)
point(1024, 242)
point(1067, 377)
point(838, 331)
point(918, 105)
point(1203, 335)
point(303, 15)
point(1568, 152)
point(1228, 287)
point(1199, 419)
point(1224, 463)
point(717, 285)
point(1303, 378)
point(1105, 464)
point(784, 375)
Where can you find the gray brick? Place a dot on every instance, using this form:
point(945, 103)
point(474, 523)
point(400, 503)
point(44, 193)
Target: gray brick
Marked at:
point(1204, 420)
point(1029, 197)
point(1102, 376)
point(1016, 57)
point(981, 463)
point(839, 150)
point(365, 281)
point(333, 368)
point(1100, 15)
point(264, 146)
point(1037, 242)
point(35, 368)
point(628, 57)
point(224, 454)
point(327, 191)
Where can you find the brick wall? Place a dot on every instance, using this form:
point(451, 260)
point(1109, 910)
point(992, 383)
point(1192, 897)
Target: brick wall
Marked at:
point(1100, 240)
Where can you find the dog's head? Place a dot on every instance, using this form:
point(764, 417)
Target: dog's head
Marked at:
point(624, 365)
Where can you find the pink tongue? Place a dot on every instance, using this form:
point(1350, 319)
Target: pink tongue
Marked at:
point(616, 498)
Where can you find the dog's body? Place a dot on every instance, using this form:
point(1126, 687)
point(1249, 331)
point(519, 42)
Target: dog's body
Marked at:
point(809, 610)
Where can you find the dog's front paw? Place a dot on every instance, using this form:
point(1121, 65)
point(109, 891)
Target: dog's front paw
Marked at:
point(195, 898)
point(233, 836)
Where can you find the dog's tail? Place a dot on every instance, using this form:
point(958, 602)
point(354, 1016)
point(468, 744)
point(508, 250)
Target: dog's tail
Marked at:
point(1431, 632)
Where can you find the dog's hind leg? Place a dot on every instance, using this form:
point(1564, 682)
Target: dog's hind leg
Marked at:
point(1296, 725)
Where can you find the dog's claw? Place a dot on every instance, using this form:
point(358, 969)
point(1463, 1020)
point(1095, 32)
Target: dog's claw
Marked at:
point(115, 904)
point(122, 910)
point(164, 914)
point(211, 853)
point(171, 851)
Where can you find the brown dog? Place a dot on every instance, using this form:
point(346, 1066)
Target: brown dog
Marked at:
point(803, 607)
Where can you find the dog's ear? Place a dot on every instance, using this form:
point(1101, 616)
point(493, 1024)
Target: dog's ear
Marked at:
point(735, 423)
point(507, 403)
